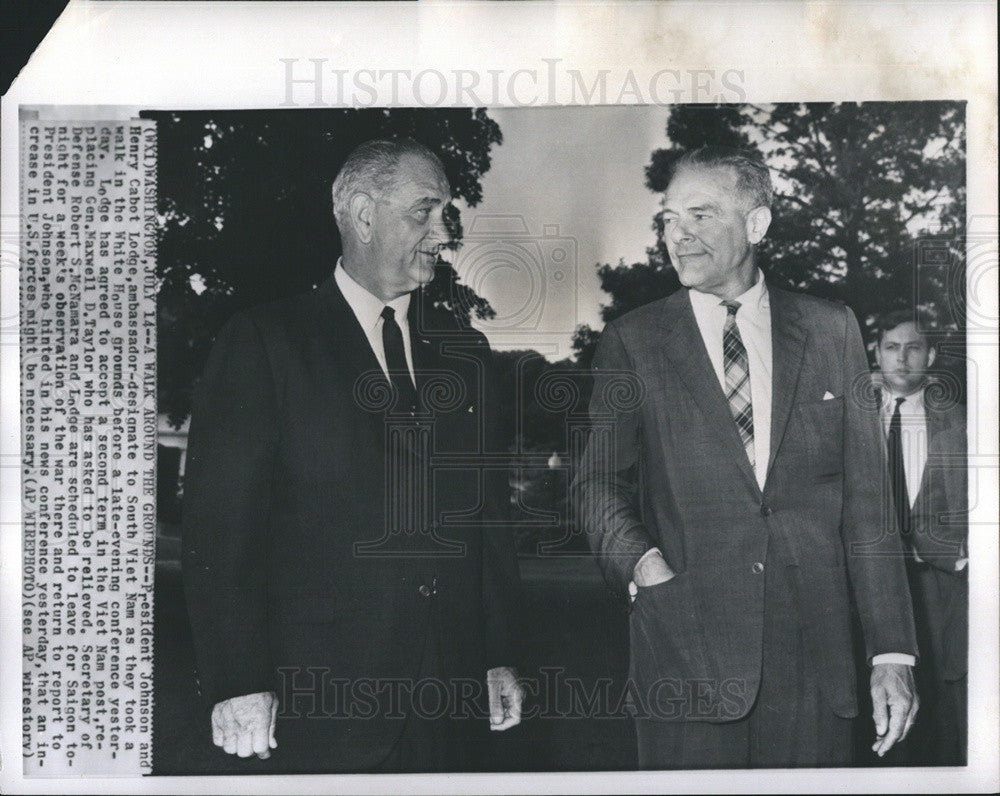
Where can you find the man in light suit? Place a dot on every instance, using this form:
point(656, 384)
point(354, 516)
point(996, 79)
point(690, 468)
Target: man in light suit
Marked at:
point(927, 454)
point(736, 488)
point(351, 608)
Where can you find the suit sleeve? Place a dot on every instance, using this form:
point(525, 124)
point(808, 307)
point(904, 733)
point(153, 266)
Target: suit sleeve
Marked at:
point(941, 514)
point(871, 535)
point(501, 577)
point(227, 492)
point(605, 488)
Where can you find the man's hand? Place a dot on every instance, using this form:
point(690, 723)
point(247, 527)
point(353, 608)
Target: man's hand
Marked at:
point(894, 696)
point(244, 725)
point(506, 695)
point(651, 570)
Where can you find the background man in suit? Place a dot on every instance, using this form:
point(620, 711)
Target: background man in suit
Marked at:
point(742, 499)
point(334, 610)
point(927, 454)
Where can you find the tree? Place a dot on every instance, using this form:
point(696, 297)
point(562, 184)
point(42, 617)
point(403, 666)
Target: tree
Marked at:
point(246, 214)
point(862, 191)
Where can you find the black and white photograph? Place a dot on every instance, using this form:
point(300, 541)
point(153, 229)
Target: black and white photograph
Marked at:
point(539, 501)
point(540, 422)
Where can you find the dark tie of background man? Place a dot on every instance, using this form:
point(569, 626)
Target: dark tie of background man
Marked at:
point(395, 360)
point(897, 470)
point(737, 369)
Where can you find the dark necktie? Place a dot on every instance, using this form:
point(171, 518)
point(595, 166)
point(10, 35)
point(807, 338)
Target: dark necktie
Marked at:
point(395, 360)
point(897, 470)
point(737, 371)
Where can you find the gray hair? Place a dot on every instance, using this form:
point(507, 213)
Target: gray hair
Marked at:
point(371, 168)
point(753, 179)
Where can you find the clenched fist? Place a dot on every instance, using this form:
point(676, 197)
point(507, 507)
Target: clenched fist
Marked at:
point(244, 725)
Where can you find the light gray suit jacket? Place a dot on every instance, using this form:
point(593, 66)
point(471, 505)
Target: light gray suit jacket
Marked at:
point(665, 467)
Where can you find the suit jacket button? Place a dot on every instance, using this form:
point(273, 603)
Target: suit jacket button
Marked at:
point(765, 510)
point(425, 590)
point(757, 568)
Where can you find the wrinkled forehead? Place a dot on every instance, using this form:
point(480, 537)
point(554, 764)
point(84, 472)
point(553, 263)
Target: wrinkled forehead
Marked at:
point(693, 182)
point(417, 177)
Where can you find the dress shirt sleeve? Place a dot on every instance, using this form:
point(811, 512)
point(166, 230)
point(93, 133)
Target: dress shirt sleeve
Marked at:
point(894, 657)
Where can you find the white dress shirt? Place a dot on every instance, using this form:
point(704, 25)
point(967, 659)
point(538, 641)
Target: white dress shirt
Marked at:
point(368, 308)
point(753, 319)
point(913, 435)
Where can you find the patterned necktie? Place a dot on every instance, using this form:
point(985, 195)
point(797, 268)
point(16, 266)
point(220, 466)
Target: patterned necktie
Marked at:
point(395, 360)
point(897, 470)
point(737, 369)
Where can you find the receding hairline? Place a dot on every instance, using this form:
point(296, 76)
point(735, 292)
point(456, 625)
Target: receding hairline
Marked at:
point(374, 167)
point(432, 163)
point(753, 184)
point(745, 195)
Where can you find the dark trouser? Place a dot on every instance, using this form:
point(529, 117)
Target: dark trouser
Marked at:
point(435, 738)
point(430, 730)
point(790, 724)
point(939, 608)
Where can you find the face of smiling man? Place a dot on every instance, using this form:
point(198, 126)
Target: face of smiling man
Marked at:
point(402, 230)
point(710, 230)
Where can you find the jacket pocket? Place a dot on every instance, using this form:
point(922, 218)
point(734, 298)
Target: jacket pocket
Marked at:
point(821, 424)
point(670, 663)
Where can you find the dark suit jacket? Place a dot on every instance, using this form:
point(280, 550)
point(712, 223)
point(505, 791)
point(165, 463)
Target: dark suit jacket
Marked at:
point(670, 471)
point(940, 537)
point(288, 491)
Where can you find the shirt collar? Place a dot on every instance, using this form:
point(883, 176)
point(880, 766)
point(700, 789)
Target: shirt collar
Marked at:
point(914, 401)
point(753, 301)
point(367, 307)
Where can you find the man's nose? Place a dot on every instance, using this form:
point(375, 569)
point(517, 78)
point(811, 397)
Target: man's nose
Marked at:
point(438, 234)
point(679, 232)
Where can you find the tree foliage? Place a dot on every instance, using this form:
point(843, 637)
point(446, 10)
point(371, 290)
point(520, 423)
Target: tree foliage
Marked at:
point(246, 214)
point(869, 207)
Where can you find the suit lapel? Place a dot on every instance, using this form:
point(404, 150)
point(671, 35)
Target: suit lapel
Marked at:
point(788, 338)
point(687, 356)
point(348, 337)
point(937, 421)
point(355, 352)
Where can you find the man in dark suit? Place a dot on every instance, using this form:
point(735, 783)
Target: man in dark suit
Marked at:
point(733, 483)
point(348, 600)
point(927, 453)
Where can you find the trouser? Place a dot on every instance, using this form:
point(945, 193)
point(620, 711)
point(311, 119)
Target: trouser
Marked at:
point(790, 723)
point(939, 602)
point(438, 737)
point(433, 731)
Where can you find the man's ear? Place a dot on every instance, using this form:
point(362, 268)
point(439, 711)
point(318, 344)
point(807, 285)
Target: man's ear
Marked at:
point(362, 215)
point(931, 356)
point(758, 220)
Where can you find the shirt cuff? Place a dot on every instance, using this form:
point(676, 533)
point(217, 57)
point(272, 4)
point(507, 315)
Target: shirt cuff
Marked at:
point(633, 590)
point(961, 564)
point(894, 657)
point(653, 551)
